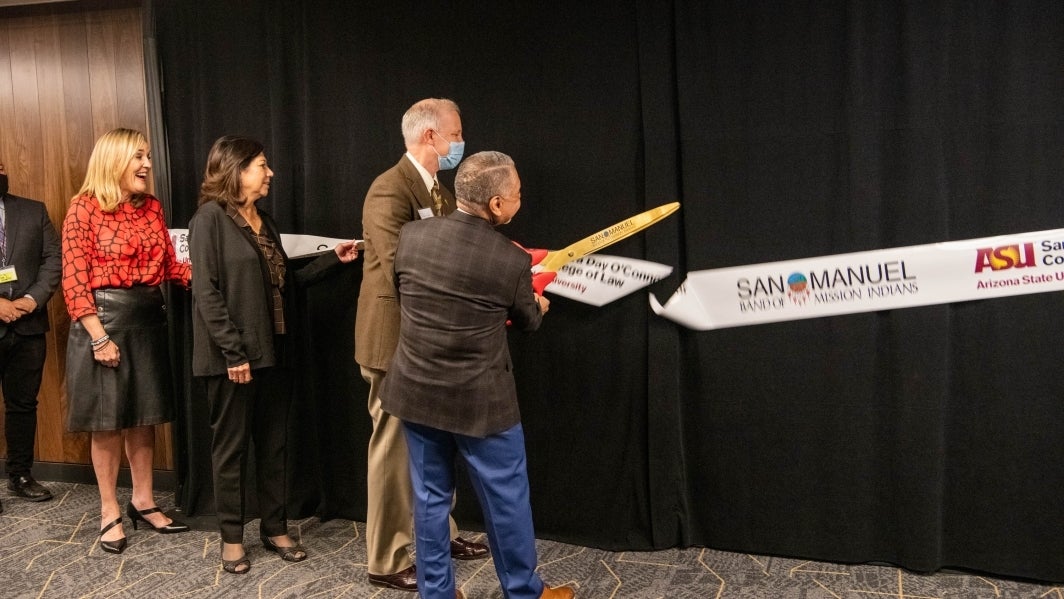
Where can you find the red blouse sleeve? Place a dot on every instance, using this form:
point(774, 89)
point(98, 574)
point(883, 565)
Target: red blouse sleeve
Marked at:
point(79, 245)
point(172, 269)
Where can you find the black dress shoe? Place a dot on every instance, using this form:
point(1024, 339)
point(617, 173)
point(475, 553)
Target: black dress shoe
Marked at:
point(138, 516)
point(116, 546)
point(403, 580)
point(463, 549)
point(25, 487)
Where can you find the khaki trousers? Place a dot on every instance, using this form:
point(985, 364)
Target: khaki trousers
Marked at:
point(390, 501)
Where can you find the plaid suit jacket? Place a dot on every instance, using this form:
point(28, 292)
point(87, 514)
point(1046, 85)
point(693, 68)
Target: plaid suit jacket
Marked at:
point(459, 281)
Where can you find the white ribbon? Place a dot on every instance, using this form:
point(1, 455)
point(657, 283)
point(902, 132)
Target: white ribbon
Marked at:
point(295, 246)
point(885, 279)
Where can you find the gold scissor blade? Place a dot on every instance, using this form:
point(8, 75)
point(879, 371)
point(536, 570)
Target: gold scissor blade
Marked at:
point(608, 236)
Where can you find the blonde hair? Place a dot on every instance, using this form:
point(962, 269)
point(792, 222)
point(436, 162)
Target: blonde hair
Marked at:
point(108, 162)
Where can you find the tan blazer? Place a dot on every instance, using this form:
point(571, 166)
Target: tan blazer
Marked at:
point(392, 201)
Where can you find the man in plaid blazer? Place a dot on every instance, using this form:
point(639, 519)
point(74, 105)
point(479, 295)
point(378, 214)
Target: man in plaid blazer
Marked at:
point(451, 380)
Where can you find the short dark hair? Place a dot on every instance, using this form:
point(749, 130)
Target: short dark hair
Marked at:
point(482, 176)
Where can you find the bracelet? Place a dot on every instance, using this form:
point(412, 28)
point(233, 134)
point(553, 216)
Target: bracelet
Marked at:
point(100, 342)
point(97, 348)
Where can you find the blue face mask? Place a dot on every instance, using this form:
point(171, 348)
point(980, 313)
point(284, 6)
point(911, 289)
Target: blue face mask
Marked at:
point(453, 156)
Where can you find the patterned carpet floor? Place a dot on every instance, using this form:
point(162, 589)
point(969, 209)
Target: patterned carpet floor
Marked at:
point(50, 549)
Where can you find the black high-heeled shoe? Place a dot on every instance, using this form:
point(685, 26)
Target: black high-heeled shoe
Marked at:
point(138, 516)
point(116, 546)
point(290, 553)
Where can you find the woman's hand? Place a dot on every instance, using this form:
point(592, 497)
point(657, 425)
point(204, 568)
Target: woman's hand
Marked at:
point(107, 354)
point(240, 374)
point(346, 251)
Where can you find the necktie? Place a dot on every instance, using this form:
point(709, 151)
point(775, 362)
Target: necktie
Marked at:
point(3, 237)
point(437, 199)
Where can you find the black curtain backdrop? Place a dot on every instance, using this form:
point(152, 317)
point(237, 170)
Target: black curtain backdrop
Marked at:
point(928, 437)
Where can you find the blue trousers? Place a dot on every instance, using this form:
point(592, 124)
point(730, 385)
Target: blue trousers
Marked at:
point(497, 470)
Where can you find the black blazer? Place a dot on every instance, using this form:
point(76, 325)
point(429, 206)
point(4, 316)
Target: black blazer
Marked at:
point(232, 306)
point(33, 249)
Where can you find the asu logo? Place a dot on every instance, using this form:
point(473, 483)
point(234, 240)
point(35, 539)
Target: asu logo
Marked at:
point(1004, 257)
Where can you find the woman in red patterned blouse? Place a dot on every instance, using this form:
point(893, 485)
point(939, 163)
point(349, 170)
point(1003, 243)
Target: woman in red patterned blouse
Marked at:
point(116, 254)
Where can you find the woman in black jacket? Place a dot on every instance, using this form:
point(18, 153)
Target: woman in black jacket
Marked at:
point(239, 331)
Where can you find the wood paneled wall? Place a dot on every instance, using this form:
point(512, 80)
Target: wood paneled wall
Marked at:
point(68, 74)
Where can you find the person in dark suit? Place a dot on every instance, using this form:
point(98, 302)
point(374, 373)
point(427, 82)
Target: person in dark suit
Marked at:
point(30, 269)
point(432, 132)
point(451, 381)
point(240, 327)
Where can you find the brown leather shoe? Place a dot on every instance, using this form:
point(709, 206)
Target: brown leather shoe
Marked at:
point(463, 549)
point(565, 592)
point(458, 594)
point(403, 580)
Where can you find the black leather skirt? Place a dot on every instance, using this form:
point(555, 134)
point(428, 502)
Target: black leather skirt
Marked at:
point(140, 390)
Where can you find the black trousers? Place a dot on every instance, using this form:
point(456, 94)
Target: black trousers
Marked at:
point(21, 366)
point(255, 412)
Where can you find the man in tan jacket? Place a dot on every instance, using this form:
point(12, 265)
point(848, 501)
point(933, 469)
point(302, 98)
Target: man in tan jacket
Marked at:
point(432, 133)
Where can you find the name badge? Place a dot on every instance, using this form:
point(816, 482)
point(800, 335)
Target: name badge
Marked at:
point(425, 212)
point(7, 274)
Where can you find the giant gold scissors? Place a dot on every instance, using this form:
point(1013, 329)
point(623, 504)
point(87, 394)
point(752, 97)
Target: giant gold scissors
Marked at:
point(547, 263)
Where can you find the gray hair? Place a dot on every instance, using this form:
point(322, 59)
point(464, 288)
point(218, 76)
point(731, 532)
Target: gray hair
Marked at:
point(424, 114)
point(482, 176)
